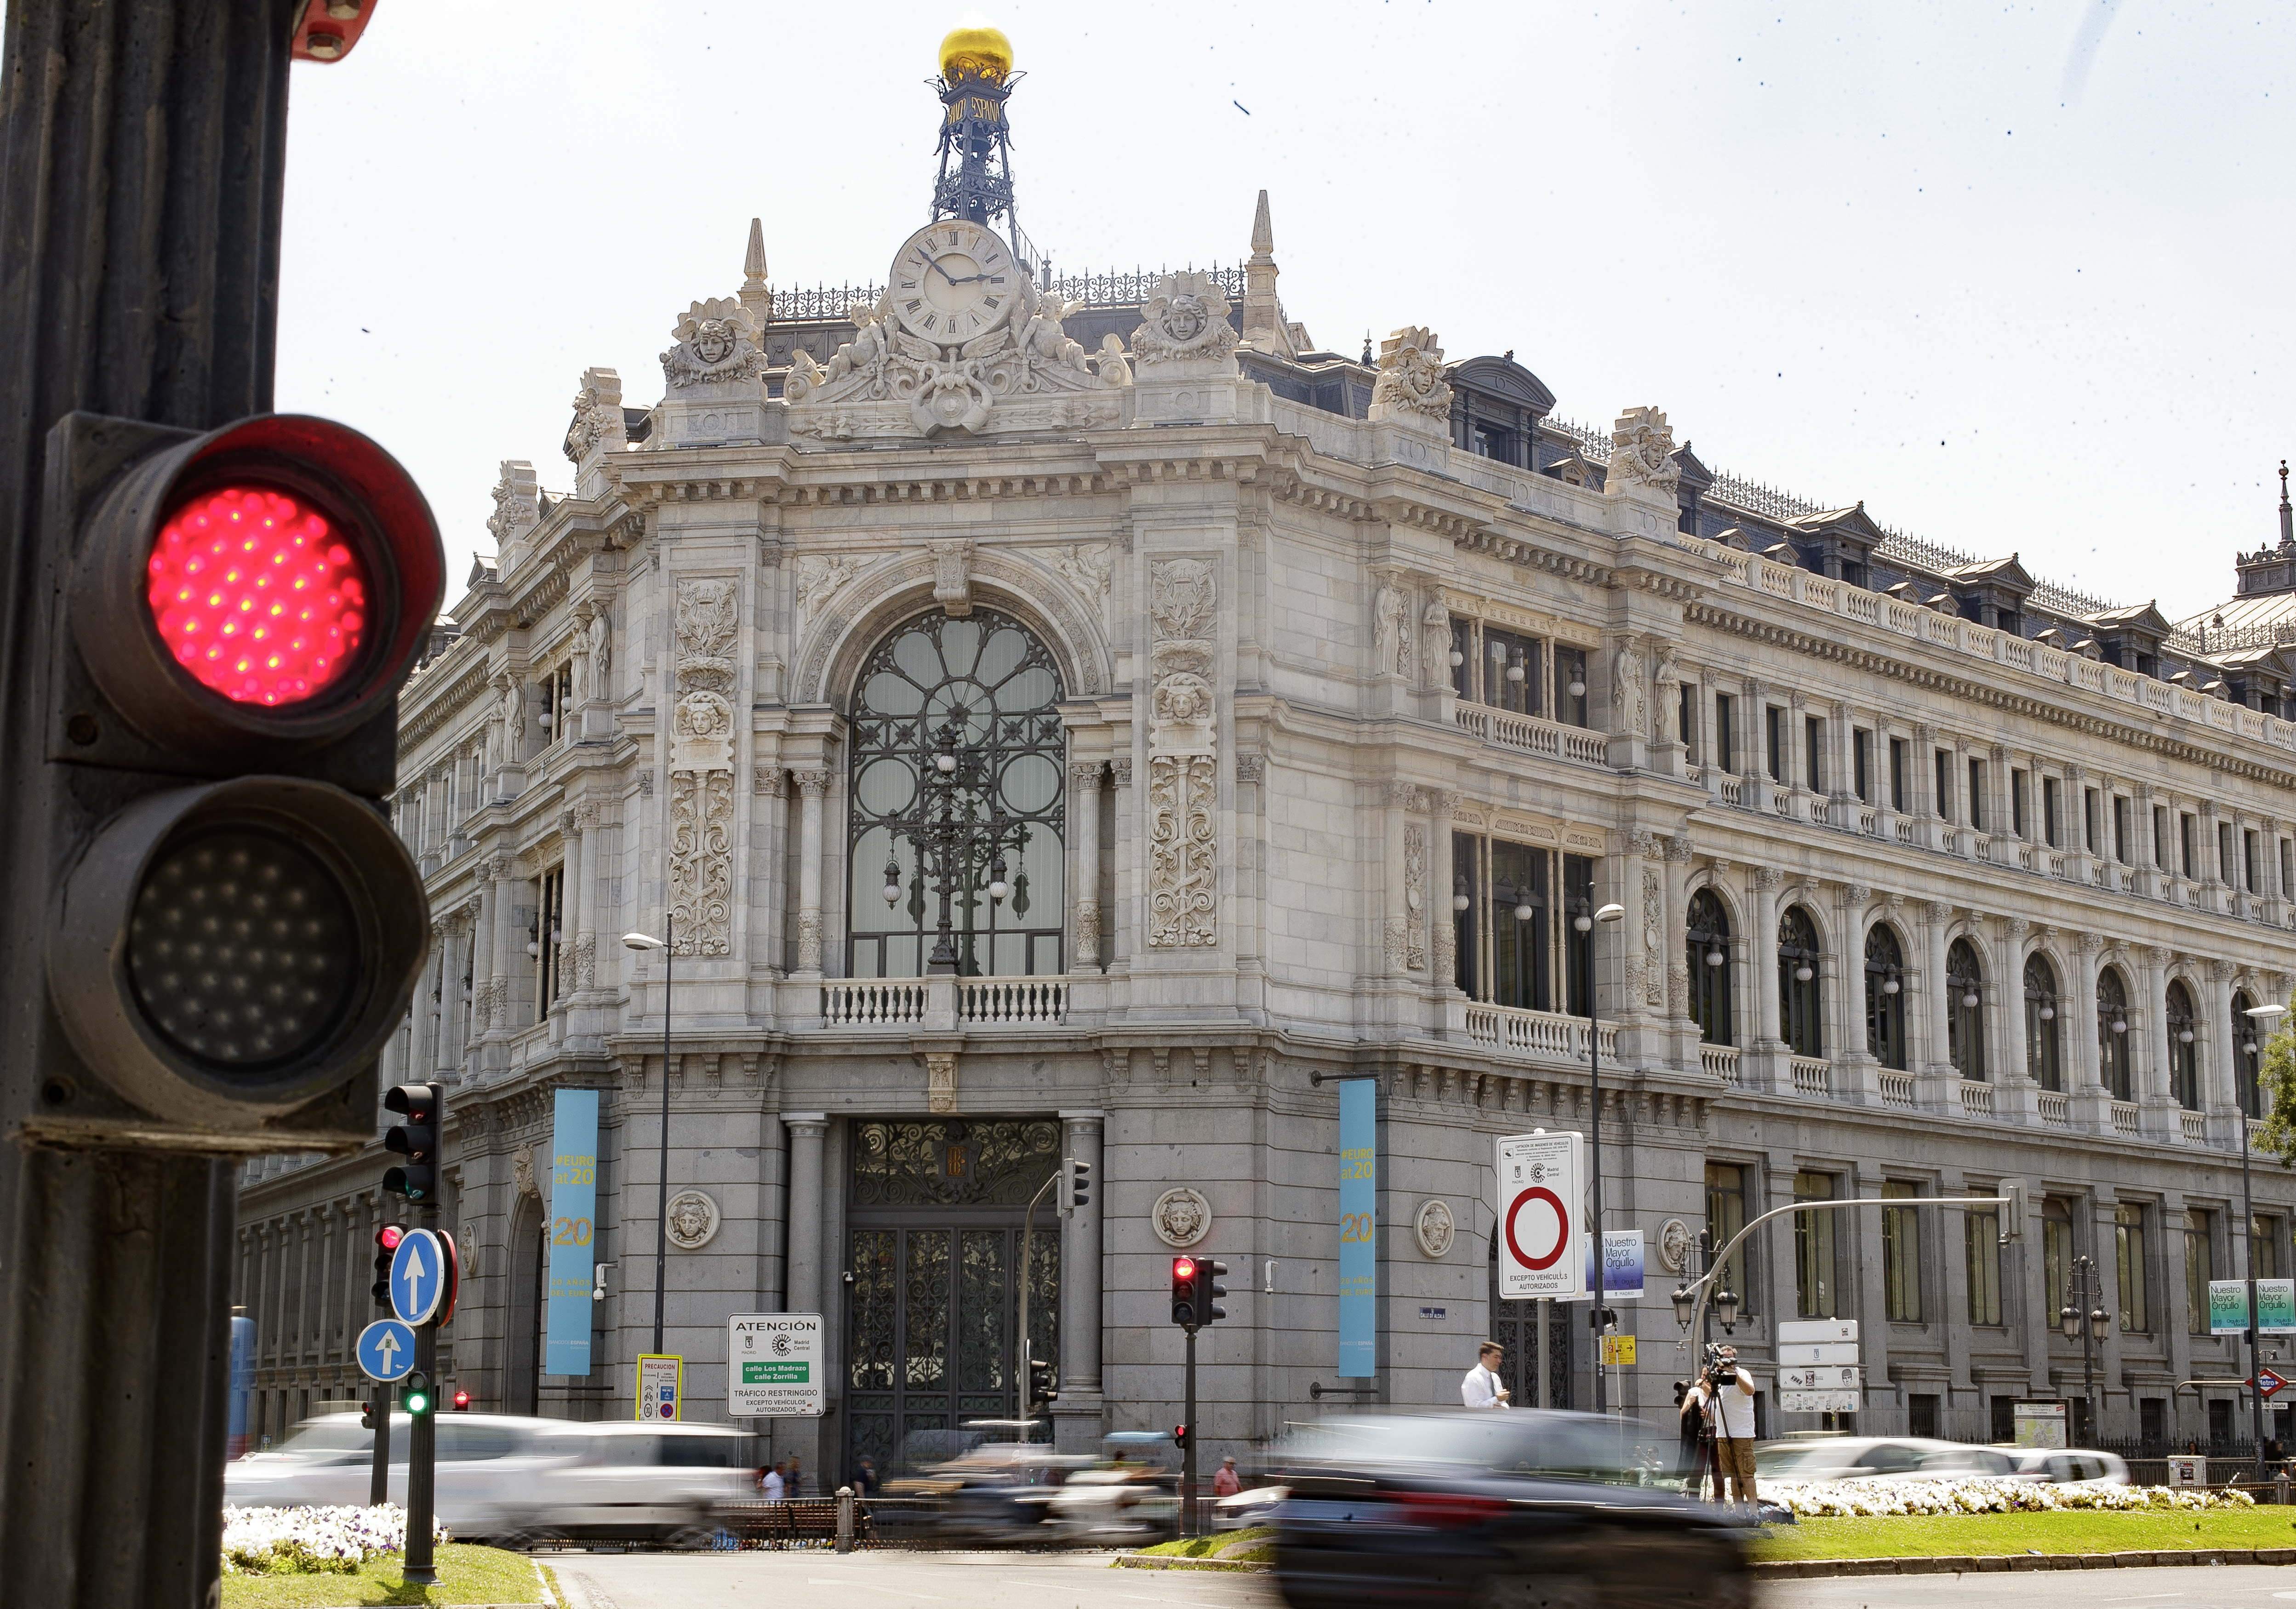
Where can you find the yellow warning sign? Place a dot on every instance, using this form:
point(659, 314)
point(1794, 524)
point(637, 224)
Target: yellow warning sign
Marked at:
point(1618, 1352)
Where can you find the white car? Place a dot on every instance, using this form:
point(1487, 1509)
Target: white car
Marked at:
point(1881, 1458)
point(2070, 1466)
point(523, 1479)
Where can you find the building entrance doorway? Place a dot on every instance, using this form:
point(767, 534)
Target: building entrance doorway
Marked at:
point(933, 1242)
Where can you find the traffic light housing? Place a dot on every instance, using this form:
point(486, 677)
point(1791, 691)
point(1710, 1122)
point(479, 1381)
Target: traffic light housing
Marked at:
point(1180, 1437)
point(1187, 1298)
point(1040, 1382)
point(229, 929)
point(415, 1138)
point(367, 1414)
point(1211, 1274)
point(417, 1397)
point(2013, 1209)
point(1075, 1185)
point(461, 1402)
point(386, 1247)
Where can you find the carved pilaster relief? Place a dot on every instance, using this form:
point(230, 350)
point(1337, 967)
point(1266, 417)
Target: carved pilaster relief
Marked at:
point(1653, 931)
point(1183, 770)
point(701, 767)
point(1414, 895)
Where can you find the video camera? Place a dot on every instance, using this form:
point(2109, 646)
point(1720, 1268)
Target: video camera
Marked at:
point(1715, 1370)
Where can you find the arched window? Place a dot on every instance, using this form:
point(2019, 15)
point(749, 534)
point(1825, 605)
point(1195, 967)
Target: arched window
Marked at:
point(1965, 1010)
point(1799, 961)
point(2247, 1056)
point(1707, 942)
point(2184, 1047)
point(1885, 997)
point(2043, 1062)
point(2112, 1033)
point(958, 762)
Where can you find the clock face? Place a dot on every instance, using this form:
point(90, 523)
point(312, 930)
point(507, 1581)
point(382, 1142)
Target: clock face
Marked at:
point(953, 280)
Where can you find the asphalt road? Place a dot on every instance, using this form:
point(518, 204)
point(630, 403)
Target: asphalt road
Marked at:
point(1083, 1581)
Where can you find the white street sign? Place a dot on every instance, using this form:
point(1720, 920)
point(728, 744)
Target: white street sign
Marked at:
point(1815, 1378)
point(1794, 1331)
point(1838, 1352)
point(1818, 1402)
point(1540, 1181)
point(774, 1367)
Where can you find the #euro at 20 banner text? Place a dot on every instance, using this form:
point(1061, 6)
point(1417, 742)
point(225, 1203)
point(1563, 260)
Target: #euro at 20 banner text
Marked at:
point(573, 1232)
point(1359, 1228)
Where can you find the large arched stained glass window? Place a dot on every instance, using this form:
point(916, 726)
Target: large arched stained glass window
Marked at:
point(1965, 1010)
point(2184, 1049)
point(1885, 997)
point(957, 766)
point(1798, 999)
point(2112, 1034)
point(2044, 1063)
point(1707, 940)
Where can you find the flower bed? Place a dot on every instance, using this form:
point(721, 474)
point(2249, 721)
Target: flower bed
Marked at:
point(1848, 1500)
point(312, 1541)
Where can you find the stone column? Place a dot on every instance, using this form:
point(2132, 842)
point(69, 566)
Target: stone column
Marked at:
point(2150, 1012)
point(1674, 947)
point(299, 1334)
point(323, 1313)
point(505, 901)
point(813, 785)
point(1710, 762)
point(423, 1052)
point(1851, 924)
point(2000, 817)
point(576, 908)
point(1077, 1417)
point(359, 1226)
point(2005, 1053)
point(1084, 816)
point(1396, 926)
point(1118, 925)
point(1841, 777)
point(805, 1132)
point(1762, 957)
point(1443, 935)
point(2218, 1096)
point(1936, 1060)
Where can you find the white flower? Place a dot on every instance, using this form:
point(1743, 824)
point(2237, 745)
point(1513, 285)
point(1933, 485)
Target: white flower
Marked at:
point(1841, 1500)
point(288, 1541)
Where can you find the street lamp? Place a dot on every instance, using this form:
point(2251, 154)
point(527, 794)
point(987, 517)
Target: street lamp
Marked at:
point(1585, 924)
point(2085, 1296)
point(661, 1193)
point(2261, 1018)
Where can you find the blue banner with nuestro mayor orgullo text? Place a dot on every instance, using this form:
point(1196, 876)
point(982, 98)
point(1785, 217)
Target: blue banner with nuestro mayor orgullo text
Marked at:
point(573, 1231)
point(1359, 1228)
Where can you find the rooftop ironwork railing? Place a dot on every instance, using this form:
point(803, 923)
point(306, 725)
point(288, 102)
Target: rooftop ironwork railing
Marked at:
point(1123, 289)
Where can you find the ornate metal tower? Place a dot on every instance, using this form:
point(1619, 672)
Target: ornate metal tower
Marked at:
point(976, 157)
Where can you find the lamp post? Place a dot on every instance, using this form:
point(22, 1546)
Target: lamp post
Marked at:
point(661, 1193)
point(2085, 1300)
point(2266, 1016)
point(1585, 924)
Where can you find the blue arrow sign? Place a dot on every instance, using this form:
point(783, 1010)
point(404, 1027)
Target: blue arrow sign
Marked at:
point(418, 1277)
point(386, 1350)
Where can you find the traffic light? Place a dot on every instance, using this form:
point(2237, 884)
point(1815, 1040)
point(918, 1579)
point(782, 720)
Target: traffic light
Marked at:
point(367, 1414)
point(1212, 1273)
point(386, 1247)
point(416, 1139)
point(1040, 1382)
point(232, 928)
point(1185, 1302)
point(1180, 1437)
point(416, 1398)
point(2013, 1209)
point(461, 1402)
point(1075, 1185)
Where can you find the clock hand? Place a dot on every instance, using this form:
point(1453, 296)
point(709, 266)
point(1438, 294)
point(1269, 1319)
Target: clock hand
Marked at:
point(934, 264)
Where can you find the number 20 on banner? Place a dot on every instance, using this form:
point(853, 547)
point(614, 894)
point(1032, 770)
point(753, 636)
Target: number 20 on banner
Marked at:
point(1356, 1227)
point(570, 1232)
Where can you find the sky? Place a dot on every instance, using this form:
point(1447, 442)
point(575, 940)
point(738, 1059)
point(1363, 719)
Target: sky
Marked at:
point(2017, 277)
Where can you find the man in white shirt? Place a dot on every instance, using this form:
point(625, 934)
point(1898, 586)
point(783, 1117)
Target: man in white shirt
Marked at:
point(1481, 1387)
point(1727, 1396)
point(773, 1484)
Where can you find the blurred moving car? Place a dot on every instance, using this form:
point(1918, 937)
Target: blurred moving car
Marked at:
point(1881, 1458)
point(2070, 1467)
point(520, 1480)
point(1495, 1511)
point(1131, 1495)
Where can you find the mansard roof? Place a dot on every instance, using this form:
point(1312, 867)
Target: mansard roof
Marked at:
point(2145, 618)
point(1506, 378)
point(2009, 574)
point(1853, 522)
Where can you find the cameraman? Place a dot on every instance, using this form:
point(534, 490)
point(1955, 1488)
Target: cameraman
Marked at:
point(1726, 1394)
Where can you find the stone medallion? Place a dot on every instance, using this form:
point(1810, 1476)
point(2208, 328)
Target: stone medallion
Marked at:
point(1674, 1238)
point(1181, 1217)
point(1436, 1229)
point(693, 1221)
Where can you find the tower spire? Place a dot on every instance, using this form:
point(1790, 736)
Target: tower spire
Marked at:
point(2287, 526)
point(976, 157)
point(756, 294)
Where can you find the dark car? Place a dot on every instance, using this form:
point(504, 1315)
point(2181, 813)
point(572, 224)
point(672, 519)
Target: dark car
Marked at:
point(1496, 1511)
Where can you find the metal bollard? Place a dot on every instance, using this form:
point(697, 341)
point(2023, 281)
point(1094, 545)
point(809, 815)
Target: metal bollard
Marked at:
point(2280, 1486)
point(845, 1519)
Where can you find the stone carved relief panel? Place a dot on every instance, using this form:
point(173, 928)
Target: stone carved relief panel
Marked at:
point(701, 767)
point(1414, 895)
point(1183, 769)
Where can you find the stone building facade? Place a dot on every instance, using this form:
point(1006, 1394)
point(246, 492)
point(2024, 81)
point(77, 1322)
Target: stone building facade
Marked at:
point(1299, 702)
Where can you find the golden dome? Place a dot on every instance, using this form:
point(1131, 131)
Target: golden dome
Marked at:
point(976, 52)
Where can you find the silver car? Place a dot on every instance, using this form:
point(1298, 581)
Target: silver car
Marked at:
point(1879, 1458)
point(522, 1479)
point(2070, 1466)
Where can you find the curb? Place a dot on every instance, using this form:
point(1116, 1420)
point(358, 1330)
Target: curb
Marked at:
point(1780, 1570)
point(1172, 1561)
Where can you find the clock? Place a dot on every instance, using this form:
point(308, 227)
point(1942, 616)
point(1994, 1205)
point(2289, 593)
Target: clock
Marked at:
point(953, 280)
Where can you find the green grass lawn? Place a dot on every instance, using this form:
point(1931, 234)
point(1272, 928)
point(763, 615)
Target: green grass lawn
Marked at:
point(1251, 1545)
point(2075, 1530)
point(466, 1575)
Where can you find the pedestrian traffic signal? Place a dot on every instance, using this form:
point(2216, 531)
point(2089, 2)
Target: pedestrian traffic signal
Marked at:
point(386, 1247)
point(232, 926)
point(461, 1402)
point(1185, 1302)
point(1075, 1185)
point(1211, 1274)
point(417, 1396)
point(416, 1139)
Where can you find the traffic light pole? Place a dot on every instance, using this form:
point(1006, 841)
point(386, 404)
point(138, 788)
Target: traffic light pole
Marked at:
point(1188, 1451)
point(377, 1484)
point(423, 1436)
point(141, 156)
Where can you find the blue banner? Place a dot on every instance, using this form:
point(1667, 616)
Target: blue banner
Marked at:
point(1359, 1228)
point(573, 1231)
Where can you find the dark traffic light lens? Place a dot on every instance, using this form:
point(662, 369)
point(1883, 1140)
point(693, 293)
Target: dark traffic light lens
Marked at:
point(242, 947)
point(257, 595)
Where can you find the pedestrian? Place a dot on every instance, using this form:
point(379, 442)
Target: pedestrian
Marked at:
point(775, 1486)
point(1228, 1482)
point(864, 1479)
point(794, 1482)
point(1725, 1393)
point(1481, 1387)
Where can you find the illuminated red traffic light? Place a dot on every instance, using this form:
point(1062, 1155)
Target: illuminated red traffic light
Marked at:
point(389, 1236)
point(1184, 1267)
point(258, 594)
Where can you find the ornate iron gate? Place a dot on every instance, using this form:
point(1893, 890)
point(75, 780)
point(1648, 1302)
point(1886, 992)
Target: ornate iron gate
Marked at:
point(1515, 1326)
point(933, 1238)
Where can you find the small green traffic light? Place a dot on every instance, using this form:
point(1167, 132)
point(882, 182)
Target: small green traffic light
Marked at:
point(418, 1395)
